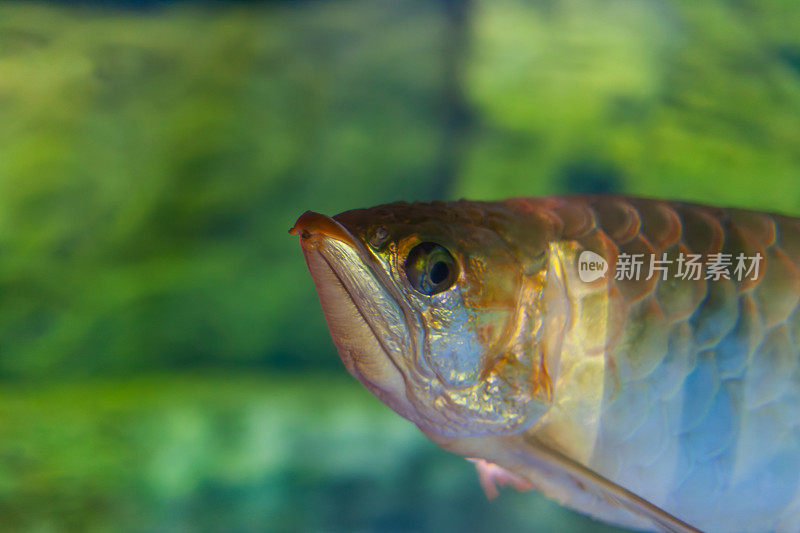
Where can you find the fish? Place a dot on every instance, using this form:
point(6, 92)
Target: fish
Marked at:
point(636, 360)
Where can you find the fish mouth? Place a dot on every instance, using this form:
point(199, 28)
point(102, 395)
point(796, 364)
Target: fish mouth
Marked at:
point(365, 321)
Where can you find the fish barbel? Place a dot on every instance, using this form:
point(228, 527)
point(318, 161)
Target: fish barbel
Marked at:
point(519, 333)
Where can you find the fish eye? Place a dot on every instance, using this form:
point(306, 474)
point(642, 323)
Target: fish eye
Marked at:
point(430, 268)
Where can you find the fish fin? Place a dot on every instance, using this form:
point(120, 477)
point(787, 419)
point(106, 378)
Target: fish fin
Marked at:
point(611, 492)
point(491, 476)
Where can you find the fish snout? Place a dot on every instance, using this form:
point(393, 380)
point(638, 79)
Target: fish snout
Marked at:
point(311, 225)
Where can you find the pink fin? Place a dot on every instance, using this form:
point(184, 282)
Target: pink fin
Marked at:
point(491, 476)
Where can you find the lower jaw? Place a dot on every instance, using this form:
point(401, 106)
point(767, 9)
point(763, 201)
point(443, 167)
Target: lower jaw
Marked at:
point(356, 342)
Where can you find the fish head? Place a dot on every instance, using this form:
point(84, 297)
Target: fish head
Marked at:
point(434, 313)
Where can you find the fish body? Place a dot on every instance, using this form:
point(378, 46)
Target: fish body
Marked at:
point(520, 333)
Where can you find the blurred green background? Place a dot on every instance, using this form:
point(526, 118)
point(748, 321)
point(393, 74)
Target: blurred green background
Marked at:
point(164, 364)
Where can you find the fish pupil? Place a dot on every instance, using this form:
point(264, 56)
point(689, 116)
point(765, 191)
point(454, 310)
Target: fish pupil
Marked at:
point(439, 272)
